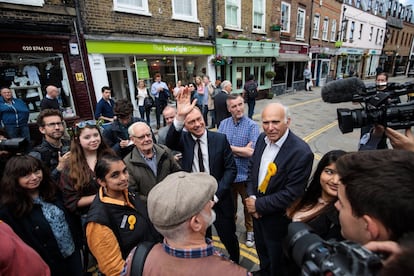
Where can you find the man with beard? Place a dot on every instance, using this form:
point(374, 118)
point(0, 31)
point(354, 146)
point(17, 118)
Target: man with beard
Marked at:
point(54, 150)
point(181, 209)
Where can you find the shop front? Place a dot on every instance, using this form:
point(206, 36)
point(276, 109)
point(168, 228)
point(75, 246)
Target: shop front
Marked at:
point(349, 62)
point(323, 63)
point(120, 64)
point(290, 65)
point(372, 62)
point(240, 58)
point(28, 64)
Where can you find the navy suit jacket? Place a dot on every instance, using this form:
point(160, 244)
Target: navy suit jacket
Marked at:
point(221, 161)
point(294, 166)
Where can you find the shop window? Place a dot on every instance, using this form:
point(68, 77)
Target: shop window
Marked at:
point(280, 70)
point(39, 3)
point(259, 15)
point(185, 10)
point(233, 14)
point(28, 75)
point(132, 6)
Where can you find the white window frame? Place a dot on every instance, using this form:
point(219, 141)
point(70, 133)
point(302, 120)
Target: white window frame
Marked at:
point(179, 16)
point(143, 10)
point(333, 30)
point(262, 11)
point(285, 25)
point(236, 5)
point(300, 29)
point(315, 28)
point(325, 29)
point(37, 3)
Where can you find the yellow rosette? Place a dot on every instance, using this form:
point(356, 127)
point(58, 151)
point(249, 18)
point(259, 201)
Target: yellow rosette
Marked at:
point(271, 171)
point(132, 220)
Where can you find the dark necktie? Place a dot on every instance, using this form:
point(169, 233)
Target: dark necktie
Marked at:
point(200, 157)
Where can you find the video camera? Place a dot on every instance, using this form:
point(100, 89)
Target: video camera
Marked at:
point(13, 145)
point(378, 107)
point(318, 257)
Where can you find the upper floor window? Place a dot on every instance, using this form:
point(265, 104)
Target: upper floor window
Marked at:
point(38, 3)
point(376, 37)
point(316, 23)
point(300, 27)
point(358, 4)
point(233, 16)
point(351, 33)
point(371, 33)
point(132, 6)
point(361, 27)
point(259, 9)
point(185, 10)
point(325, 29)
point(333, 30)
point(285, 17)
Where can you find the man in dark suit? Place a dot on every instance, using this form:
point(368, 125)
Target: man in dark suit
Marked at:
point(220, 102)
point(215, 158)
point(278, 172)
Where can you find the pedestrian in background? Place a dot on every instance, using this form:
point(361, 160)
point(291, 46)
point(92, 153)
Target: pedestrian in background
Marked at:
point(307, 75)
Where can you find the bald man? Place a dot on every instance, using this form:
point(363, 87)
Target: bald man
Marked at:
point(50, 101)
point(148, 163)
point(278, 173)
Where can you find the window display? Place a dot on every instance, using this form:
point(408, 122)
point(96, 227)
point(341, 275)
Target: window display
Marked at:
point(28, 75)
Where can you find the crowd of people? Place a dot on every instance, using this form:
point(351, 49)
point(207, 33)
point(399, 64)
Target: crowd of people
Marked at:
point(124, 199)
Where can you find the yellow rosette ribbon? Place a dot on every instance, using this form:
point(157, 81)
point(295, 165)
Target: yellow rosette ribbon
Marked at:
point(132, 220)
point(271, 171)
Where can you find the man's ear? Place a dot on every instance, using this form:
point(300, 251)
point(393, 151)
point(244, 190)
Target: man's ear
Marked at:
point(376, 229)
point(196, 223)
point(42, 130)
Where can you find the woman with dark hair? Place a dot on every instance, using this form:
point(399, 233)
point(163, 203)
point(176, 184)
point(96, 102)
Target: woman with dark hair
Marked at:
point(77, 180)
point(117, 220)
point(316, 207)
point(33, 209)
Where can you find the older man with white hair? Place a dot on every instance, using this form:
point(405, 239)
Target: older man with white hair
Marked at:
point(220, 102)
point(147, 163)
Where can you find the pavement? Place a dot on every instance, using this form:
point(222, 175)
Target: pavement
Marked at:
point(308, 113)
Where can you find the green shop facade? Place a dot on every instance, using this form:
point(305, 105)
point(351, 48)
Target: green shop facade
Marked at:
point(120, 64)
point(236, 59)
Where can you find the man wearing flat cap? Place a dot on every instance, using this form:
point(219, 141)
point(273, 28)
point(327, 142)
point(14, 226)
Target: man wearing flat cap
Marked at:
point(208, 152)
point(180, 208)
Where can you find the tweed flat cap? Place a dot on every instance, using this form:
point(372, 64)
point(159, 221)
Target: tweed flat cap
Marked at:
point(178, 197)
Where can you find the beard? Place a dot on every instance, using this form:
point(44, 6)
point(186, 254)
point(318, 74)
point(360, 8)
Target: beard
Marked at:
point(210, 219)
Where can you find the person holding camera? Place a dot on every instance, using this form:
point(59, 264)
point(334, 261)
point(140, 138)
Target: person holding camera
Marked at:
point(54, 149)
point(376, 195)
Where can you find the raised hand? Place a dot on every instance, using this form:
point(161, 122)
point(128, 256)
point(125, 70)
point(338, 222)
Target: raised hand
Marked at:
point(184, 104)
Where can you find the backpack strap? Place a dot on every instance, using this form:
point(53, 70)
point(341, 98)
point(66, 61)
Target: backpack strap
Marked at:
point(140, 255)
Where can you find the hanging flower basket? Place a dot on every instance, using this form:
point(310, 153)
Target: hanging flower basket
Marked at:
point(275, 28)
point(218, 60)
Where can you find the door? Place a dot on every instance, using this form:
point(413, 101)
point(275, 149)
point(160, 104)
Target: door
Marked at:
point(323, 71)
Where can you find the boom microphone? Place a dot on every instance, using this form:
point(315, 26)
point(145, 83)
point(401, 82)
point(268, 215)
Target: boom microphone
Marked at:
point(342, 90)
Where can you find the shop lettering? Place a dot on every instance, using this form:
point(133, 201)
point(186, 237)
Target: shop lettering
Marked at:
point(38, 48)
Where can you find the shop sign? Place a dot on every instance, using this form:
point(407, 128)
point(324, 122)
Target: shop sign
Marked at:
point(315, 49)
point(247, 48)
point(141, 68)
point(33, 45)
point(374, 52)
point(37, 48)
point(293, 49)
point(128, 47)
point(350, 51)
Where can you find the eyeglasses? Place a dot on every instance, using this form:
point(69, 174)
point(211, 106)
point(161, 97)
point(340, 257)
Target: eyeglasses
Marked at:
point(57, 124)
point(83, 124)
point(147, 135)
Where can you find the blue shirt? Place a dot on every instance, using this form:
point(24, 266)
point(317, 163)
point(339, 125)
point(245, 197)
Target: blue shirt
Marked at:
point(155, 86)
point(240, 134)
point(105, 108)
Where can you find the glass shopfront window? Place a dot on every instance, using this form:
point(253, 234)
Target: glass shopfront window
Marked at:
point(28, 75)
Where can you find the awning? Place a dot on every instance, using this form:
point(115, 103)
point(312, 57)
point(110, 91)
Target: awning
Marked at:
point(292, 57)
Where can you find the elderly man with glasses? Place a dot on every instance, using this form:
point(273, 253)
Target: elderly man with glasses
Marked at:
point(148, 163)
